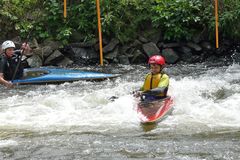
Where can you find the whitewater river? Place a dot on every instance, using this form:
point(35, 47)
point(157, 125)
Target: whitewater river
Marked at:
point(78, 121)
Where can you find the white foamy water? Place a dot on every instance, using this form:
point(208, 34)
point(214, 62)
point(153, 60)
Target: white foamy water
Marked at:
point(4, 143)
point(59, 109)
point(209, 101)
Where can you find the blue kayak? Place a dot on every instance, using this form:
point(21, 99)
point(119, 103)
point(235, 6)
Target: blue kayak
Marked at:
point(47, 75)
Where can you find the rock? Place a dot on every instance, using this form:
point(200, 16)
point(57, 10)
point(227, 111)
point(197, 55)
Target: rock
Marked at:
point(28, 54)
point(67, 51)
point(105, 41)
point(95, 62)
point(151, 35)
point(171, 45)
point(136, 43)
point(47, 51)
point(187, 57)
point(17, 41)
point(150, 49)
point(160, 45)
point(34, 44)
point(227, 42)
point(123, 60)
point(184, 49)
point(35, 61)
point(142, 39)
point(130, 52)
point(170, 55)
point(38, 51)
point(83, 44)
point(53, 44)
point(54, 58)
point(186, 54)
point(196, 59)
point(91, 54)
point(115, 60)
point(194, 46)
point(197, 38)
point(65, 62)
point(112, 55)
point(80, 52)
point(236, 57)
point(138, 57)
point(156, 36)
point(110, 47)
point(84, 55)
point(105, 62)
point(221, 50)
point(124, 49)
point(206, 45)
point(97, 47)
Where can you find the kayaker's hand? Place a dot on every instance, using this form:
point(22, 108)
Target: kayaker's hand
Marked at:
point(138, 94)
point(26, 48)
point(9, 85)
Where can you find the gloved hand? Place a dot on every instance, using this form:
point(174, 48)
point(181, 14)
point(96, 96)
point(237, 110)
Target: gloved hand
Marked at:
point(137, 94)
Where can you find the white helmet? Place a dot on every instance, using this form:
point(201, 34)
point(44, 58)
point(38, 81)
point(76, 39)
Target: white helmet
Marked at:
point(8, 44)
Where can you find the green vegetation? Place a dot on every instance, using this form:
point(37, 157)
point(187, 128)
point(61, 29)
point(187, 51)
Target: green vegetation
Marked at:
point(124, 19)
point(177, 18)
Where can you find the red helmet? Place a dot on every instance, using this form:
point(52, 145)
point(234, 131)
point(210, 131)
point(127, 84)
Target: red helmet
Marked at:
point(157, 59)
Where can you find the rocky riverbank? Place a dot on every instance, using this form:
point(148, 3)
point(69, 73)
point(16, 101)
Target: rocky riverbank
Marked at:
point(137, 52)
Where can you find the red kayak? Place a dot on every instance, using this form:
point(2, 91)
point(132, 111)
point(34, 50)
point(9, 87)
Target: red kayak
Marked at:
point(154, 111)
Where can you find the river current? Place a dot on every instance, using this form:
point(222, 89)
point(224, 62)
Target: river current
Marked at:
point(78, 121)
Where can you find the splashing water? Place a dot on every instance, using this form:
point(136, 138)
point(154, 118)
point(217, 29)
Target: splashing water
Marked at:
point(206, 101)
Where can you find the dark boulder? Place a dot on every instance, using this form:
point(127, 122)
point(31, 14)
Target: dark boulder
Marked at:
point(110, 47)
point(138, 57)
point(150, 49)
point(112, 55)
point(206, 45)
point(185, 54)
point(54, 58)
point(194, 46)
point(170, 55)
point(142, 39)
point(123, 59)
point(64, 62)
point(35, 61)
point(236, 57)
point(171, 45)
point(47, 51)
point(53, 44)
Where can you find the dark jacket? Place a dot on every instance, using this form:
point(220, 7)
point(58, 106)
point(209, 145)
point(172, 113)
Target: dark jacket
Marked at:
point(8, 66)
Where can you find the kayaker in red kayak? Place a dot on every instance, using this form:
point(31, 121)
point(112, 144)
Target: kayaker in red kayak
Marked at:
point(156, 82)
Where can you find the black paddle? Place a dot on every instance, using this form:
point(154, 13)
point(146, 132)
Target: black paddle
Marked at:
point(142, 96)
point(20, 59)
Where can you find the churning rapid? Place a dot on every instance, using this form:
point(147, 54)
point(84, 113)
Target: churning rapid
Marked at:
point(77, 120)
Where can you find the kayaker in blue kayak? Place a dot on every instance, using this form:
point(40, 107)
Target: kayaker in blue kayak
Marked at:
point(9, 59)
point(156, 82)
